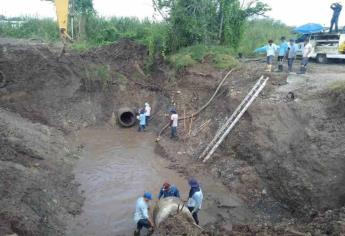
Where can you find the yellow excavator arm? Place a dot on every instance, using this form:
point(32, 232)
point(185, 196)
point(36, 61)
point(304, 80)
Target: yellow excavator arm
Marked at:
point(62, 7)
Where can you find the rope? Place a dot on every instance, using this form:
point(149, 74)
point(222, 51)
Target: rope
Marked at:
point(201, 109)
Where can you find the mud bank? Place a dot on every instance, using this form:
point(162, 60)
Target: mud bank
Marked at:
point(282, 165)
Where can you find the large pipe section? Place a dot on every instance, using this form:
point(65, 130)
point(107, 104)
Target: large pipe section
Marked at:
point(126, 117)
point(171, 206)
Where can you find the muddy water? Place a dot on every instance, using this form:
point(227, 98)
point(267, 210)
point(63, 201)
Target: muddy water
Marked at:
point(116, 167)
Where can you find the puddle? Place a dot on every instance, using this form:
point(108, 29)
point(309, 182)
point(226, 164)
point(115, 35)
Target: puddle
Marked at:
point(116, 167)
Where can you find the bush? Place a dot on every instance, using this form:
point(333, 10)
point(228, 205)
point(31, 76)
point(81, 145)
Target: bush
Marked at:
point(258, 32)
point(220, 57)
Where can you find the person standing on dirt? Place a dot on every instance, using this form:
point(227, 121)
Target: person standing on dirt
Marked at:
point(283, 47)
point(195, 198)
point(174, 123)
point(291, 54)
point(271, 49)
point(307, 50)
point(141, 215)
point(147, 112)
point(142, 120)
point(168, 190)
point(336, 7)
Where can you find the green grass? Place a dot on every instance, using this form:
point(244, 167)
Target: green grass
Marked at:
point(337, 87)
point(218, 56)
point(258, 32)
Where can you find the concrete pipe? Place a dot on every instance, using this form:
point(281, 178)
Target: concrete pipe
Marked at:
point(170, 206)
point(126, 117)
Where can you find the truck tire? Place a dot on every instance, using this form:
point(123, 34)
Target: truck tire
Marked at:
point(3, 81)
point(321, 58)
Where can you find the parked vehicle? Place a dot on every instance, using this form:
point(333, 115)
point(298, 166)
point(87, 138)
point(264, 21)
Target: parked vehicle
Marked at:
point(325, 46)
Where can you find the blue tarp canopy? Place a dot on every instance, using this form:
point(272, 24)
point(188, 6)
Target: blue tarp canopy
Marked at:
point(309, 28)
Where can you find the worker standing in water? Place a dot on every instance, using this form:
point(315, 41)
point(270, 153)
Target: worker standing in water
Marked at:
point(195, 198)
point(336, 7)
point(141, 215)
point(168, 190)
point(173, 123)
point(147, 112)
point(142, 120)
point(283, 47)
point(271, 49)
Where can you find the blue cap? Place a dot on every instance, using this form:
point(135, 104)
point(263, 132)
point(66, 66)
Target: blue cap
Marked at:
point(148, 195)
point(193, 182)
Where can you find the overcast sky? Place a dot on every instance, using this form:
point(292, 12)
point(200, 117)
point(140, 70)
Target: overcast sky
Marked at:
point(291, 12)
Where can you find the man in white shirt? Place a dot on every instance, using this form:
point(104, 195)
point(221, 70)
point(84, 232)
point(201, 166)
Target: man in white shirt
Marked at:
point(271, 49)
point(147, 113)
point(174, 123)
point(307, 50)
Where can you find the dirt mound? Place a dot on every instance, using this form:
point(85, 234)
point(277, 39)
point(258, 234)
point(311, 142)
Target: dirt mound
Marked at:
point(36, 189)
point(176, 225)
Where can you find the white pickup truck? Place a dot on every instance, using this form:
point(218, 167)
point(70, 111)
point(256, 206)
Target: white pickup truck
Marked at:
point(325, 46)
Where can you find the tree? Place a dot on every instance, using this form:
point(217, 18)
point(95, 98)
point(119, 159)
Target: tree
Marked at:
point(83, 9)
point(207, 21)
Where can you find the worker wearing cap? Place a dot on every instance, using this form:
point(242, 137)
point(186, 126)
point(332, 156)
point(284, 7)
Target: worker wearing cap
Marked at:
point(142, 120)
point(194, 199)
point(141, 215)
point(168, 190)
point(147, 112)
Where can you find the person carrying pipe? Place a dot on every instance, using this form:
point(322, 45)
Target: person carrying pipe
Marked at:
point(307, 50)
point(147, 112)
point(173, 123)
point(141, 215)
point(271, 49)
point(168, 190)
point(283, 47)
point(336, 7)
point(142, 120)
point(195, 198)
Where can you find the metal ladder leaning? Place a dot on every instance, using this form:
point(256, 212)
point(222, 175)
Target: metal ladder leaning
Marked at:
point(235, 117)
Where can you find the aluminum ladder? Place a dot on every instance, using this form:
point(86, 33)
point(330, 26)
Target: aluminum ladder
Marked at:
point(235, 117)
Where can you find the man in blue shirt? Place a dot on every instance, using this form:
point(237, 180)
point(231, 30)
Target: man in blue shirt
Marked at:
point(336, 7)
point(283, 47)
point(141, 215)
point(142, 120)
point(194, 199)
point(168, 190)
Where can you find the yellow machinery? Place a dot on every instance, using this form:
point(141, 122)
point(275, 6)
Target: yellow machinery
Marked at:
point(342, 48)
point(62, 9)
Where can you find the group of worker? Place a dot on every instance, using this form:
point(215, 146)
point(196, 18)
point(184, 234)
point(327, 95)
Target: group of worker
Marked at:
point(142, 217)
point(144, 116)
point(287, 51)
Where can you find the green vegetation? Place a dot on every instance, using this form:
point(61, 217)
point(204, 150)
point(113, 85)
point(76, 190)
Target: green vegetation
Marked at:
point(219, 56)
point(337, 87)
point(44, 29)
point(258, 32)
point(192, 30)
